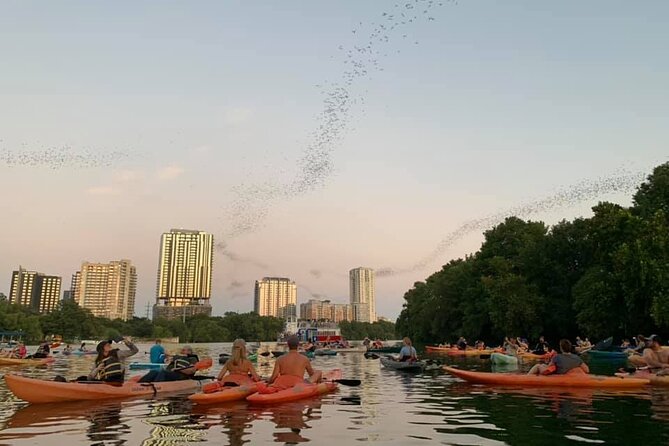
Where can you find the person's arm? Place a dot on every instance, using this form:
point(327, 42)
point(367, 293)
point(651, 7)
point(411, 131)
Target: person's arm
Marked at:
point(308, 367)
point(252, 372)
point(132, 350)
point(275, 372)
point(223, 371)
point(585, 367)
point(96, 369)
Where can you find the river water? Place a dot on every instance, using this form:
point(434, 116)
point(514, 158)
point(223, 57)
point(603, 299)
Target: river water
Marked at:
point(393, 408)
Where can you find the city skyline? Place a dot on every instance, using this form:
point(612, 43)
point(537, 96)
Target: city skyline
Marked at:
point(485, 108)
point(106, 289)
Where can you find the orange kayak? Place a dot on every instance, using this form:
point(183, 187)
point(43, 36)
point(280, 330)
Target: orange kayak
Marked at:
point(662, 380)
point(298, 391)
point(472, 352)
point(16, 361)
point(245, 387)
point(568, 380)
point(41, 391)
point(436, 349)
point(533, 357)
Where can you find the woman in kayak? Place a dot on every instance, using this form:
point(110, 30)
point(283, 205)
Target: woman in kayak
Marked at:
point(108, 363)
point(408, 352)
point(238, 363)
point(562, 363)
point(180, 367)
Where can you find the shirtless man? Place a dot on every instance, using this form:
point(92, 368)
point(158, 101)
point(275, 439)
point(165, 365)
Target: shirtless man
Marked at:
point(294, 363)
point(655, 356)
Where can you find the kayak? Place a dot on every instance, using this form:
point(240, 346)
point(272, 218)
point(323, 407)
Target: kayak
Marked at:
point(417, 366)
point(394, 349)
point(501, 358)
point(299, 391)
point(662, 380)
point(437, 349)
point(533, 357)
point(146, 366)
point(80, 353)
point(40, 391)
point(472, 352)
point(16, 361)
point(245, 387)
point(574, 379)
point(600, 354)
point(325, 352)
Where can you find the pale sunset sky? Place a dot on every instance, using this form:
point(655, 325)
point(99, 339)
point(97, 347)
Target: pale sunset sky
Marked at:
point(468, 109)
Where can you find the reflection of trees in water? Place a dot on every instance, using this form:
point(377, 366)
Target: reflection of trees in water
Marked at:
point(173, 424)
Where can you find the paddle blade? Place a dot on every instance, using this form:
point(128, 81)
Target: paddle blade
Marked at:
point(203, 364)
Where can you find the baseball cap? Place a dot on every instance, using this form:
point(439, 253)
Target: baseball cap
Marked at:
point(655, 338)
point(101, 345)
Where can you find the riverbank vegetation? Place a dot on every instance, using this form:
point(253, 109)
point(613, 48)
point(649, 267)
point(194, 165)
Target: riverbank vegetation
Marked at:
point(73, 322)
point(607, 275)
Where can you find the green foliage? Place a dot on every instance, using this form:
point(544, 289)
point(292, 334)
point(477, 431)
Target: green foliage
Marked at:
point(360, 330)
point(601, 276)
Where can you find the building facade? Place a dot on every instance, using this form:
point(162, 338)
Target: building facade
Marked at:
point(184, 274)
point(363, 294)
point(275, 296)
point(107, 289)
point(324, 310)
point(38, 291)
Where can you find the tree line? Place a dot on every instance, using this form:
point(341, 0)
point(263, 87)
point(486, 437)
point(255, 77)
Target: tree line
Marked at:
point(607, 275)
point(75, 323)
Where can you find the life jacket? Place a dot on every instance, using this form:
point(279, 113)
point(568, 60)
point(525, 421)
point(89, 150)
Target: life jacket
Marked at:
point(180, 362)
point(112, 369)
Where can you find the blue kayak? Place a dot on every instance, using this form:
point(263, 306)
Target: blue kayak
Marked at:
point(146, 366)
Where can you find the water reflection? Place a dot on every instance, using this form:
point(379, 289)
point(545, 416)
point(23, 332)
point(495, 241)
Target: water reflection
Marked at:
point(236, 419)
point(291, 419)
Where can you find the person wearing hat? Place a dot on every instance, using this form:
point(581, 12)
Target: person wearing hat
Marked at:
point(180, 367)
point(289, 369)
point(655, 356)
point(109, 362)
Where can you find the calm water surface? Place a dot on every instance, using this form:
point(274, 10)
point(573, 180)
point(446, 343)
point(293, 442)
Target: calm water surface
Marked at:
point(393, 408)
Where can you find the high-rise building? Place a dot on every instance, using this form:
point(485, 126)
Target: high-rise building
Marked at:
point(35, 290)
point(184, 274)
point(363, 294)
point(276, 296)
point(74, 286)
point(324, 310)
point(107, 289)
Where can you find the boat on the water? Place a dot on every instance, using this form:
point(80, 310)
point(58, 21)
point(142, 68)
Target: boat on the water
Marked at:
point(41, 391)
point(26, 361)
point(569, 380)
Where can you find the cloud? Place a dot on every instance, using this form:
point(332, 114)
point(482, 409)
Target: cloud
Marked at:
point(202, 149)
point(170, 172)
point(237, 116)
point(127, 176)
point(103, 190)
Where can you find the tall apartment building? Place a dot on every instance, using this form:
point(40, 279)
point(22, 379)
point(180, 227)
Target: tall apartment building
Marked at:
point(276, 296)
point(184, 274)
point(107, 289)
point(38, 291)
point(317, 310)
point(363, 294)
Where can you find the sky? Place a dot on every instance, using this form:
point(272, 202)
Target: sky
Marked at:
point(249, 120)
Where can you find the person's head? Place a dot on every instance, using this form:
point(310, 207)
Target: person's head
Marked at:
point(655, 341)
point(186, 350)
point(541, 339)
point(407, 341)
point(157, 341)
point(238, 351)
point(578, 338)
point(104, 349)
point(83, 344)
point(293, 342)
point(565, 345)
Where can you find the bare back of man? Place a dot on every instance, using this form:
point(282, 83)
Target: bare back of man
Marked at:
point(295, 364)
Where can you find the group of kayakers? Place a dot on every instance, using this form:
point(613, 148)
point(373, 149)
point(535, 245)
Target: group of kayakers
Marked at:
point(21, 352)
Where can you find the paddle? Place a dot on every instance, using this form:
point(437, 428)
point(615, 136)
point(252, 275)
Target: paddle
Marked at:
point(347, 382)
point(202, 364)
point(217, 386)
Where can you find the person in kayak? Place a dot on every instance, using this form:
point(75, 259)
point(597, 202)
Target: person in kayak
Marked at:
point(655, 356)
point(67, 350)
point(82, 348)
point(238, 363)
point(289, 369)
point(109, 362)
point(511, 346)
point(179, 368)
point(462, 343)
point(562, 363)
point(18, 352)
point(42, 351)
point(542, 347)
point(408, 352)
point(157, 353)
